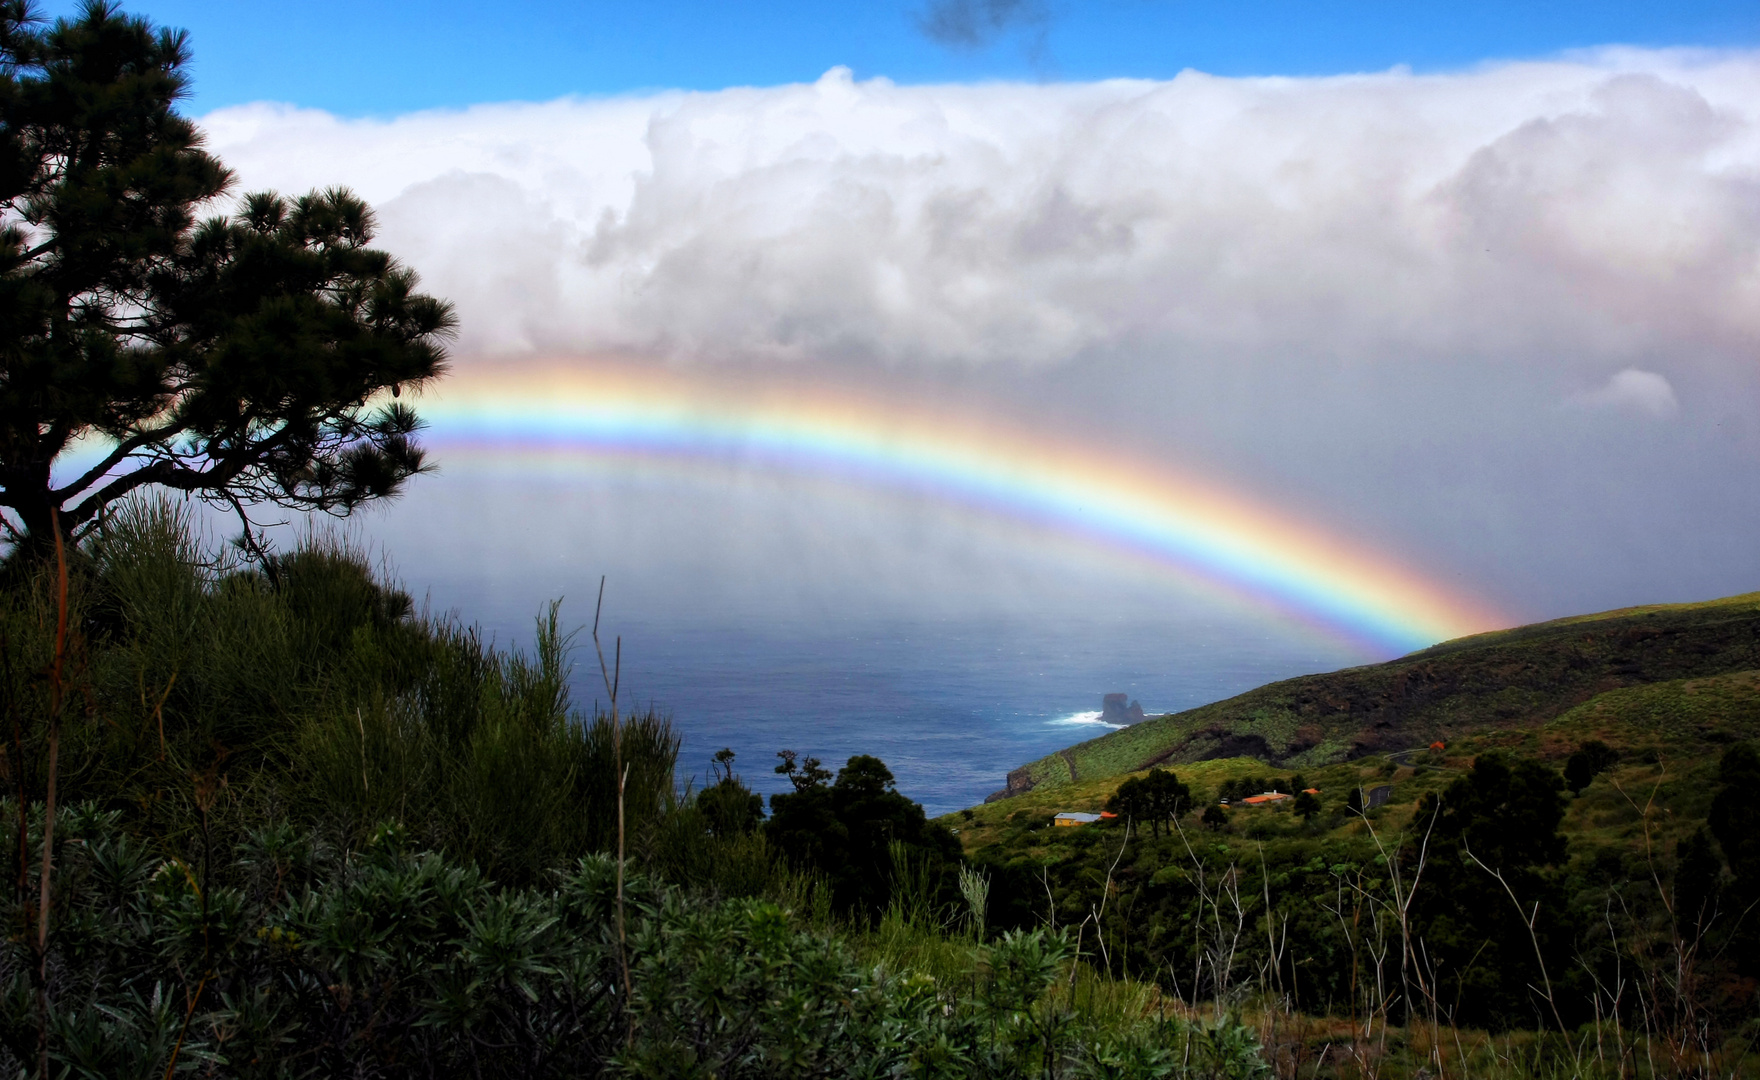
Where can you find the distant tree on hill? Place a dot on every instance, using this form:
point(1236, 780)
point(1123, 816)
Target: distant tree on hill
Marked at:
point(1735, 811)
point(1591, 760)
point(1735, 821)
point(1353, 802)
point(1215, 817)
point(1131, 800)
point(1696, 885)
point(1153, 798)
point(1307, 806)
point(238, 359)
point(1169, 797)
point(1491, 834)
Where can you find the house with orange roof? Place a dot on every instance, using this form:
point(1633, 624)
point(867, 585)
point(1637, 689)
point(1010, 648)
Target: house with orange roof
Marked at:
point(1267, 798)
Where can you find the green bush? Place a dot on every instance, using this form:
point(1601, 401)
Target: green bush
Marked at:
point(309, 690)
point(294, 959)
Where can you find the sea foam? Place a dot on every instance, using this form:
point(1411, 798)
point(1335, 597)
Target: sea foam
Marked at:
point(1089, 718)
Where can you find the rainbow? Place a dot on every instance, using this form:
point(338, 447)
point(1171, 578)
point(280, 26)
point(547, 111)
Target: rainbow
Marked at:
point(1206, 536)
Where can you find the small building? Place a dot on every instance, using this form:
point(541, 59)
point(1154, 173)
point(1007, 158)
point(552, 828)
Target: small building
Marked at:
point(1068, 818)
point(1267, 798)
point(1310, 791)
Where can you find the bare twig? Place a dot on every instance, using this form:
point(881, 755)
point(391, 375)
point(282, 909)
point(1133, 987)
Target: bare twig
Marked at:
point(361, 723)
point(1529, 919)
point(613, 676)
point(1099, 914)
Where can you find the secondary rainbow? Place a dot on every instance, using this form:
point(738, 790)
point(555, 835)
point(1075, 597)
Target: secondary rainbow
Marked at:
point(1180, 523)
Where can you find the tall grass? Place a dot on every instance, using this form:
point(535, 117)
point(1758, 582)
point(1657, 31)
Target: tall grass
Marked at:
point(309, 690)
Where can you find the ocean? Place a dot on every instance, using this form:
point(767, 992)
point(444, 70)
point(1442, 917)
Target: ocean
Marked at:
point(768, 619)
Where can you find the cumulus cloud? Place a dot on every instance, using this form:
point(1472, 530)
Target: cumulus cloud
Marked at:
point(1364, 296)
point(1643, 393)
point(1611, 203)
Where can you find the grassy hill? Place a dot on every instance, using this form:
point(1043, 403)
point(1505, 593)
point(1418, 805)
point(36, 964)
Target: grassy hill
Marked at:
point(1671, 690)
point(1518, 679)
point(1670, 733)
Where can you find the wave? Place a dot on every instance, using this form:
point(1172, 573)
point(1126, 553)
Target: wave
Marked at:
point(1090, 718)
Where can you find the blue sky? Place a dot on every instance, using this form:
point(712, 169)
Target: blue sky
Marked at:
point(380, 57)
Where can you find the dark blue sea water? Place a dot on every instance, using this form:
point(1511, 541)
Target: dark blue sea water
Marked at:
point(763, 615)
point(951, 706)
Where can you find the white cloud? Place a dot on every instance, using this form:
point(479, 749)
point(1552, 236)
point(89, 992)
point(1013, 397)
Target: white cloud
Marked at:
point(1643, 393)
point(1600, 208)
point(1361, 297)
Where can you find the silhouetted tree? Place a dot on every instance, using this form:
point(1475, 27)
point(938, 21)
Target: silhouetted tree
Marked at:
point(1307, 806)
point(1131, 800)
point(1696, 885)
point(1500, 819)
point(239, 359)
point(844, 830)
point(1154, 797)
point(1735, 811)
point(1591, 760)
point(1169, 797)
point(729, 808)
point(1735, 821)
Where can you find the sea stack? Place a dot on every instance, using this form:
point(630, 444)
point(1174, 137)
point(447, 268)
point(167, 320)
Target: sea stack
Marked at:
point(1115, 710)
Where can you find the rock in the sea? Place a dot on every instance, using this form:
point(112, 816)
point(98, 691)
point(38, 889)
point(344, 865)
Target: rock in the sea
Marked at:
point(1115, 710)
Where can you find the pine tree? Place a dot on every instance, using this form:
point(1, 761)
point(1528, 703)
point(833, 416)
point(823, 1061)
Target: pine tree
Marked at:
point(241, 359)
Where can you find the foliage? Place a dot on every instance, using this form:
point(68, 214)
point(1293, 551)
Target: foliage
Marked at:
point(729, 808)
point(1489, 911)
point(293, 959)
point(1155, 797)
point(1307, 806)
point(213, 709)
point(237, 359)
point(1592, 759)
point(317, 727)
point(1734, 819)
point(1735, 814)
point(845, 831)
point(316, 693)
point(1333, 916)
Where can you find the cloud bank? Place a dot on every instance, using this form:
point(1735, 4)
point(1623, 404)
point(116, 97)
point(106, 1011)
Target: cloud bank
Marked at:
point(1504, 323)
point(1606, 208)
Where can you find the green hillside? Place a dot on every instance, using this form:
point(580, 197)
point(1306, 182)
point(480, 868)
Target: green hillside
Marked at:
point(1520, 678)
